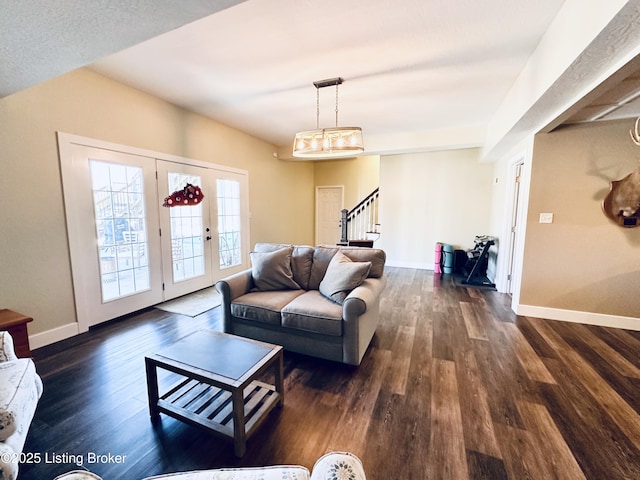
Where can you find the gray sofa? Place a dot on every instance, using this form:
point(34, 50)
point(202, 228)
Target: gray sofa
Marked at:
point(321, 301)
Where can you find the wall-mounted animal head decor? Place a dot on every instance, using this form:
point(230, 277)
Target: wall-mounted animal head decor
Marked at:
point(622, 204)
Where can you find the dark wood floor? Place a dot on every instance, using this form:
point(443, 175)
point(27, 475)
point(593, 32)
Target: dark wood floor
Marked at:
point(454, 386)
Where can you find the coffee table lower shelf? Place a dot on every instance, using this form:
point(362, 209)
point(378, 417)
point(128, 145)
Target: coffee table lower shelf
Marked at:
point(211, 407)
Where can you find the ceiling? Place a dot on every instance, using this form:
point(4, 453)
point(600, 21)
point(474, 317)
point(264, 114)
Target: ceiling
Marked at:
point(409, 68)
point(425, 66)
point(40, 39)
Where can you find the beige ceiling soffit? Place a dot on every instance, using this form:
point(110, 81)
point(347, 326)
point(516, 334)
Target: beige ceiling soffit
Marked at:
point(590, 107)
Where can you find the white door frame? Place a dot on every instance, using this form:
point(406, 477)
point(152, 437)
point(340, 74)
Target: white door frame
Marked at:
point(516, 177)
point(66, 144)
point(91, 308)
point(523, 157)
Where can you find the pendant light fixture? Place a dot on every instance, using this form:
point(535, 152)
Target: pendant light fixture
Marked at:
point(328, 142)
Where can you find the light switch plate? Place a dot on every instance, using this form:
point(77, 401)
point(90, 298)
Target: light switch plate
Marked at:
point(546, 218)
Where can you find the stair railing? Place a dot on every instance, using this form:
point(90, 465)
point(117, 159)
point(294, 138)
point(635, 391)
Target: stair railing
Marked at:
point(361, 219)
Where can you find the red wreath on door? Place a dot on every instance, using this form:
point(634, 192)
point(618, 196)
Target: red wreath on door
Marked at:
point(189, 195)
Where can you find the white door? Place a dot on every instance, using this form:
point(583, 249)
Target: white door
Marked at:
point(115, 220)
point(112, 219)
point(230, 243)
point(329, 204)
point(514, 227)
point(185, 225)
point(204, 242)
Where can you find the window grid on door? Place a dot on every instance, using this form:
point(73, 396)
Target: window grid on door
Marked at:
point(187, 242)
point(229, 223)
point(118, 198)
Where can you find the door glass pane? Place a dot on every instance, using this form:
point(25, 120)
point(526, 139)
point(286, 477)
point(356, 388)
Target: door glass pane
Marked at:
point(118, 201)
point(229, 222)
point(187, 239)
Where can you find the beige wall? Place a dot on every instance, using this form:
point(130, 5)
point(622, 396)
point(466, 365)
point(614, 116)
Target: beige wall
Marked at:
point(432, 197)
point(582, 261)
point(35, 277)
point(359, 176)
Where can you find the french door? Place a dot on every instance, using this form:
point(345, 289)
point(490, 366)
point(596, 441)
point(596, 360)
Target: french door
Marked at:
point(231, 239)
point(206, 241)
point(110, 203)
point(185, 229)
point(128, 251)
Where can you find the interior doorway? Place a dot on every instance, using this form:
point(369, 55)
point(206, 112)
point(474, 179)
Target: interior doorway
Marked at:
point(516, 202)
point(329, 204)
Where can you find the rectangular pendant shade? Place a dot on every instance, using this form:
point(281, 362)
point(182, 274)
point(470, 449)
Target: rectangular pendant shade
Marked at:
point(329, 143)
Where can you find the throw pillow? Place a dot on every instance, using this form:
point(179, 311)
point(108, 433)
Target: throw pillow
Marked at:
point(272, 270)
point(78, 475)
point(343, 275)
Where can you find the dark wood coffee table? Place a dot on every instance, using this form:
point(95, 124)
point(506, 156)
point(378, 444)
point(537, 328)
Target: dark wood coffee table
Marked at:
point(218, 388)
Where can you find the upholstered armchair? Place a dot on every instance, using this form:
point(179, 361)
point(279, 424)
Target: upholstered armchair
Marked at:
point(331, 466)
point(20, 390)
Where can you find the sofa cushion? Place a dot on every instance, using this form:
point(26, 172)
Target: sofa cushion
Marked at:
point(301, 260)
point(17, 394)
point(272, 270)
point(263, 307)
point(376, 256)
point(312, 312)
point(7, 351)
point(342, 276)
point(13, 377)
point(324, 253)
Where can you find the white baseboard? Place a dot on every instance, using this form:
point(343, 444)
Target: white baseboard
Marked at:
point(54, 335)
point(589, 318)
point(401, 264)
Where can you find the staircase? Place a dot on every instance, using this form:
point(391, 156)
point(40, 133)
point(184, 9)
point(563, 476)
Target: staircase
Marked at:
point(360, 225)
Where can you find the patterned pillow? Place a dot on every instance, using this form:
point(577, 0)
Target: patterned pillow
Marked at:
point(272, 270)
point(78, 475)
point(338, 465)
point(343, 275)
point(12, 385)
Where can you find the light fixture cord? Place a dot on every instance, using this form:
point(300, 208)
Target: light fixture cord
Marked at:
point(317, 108)
point(336, 105)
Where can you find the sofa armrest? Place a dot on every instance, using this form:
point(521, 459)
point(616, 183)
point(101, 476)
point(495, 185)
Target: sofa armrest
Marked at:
point(8, 462)
point(367, 293)
point(7, 351)
point(235, 285)
point(338, 465)
point(231, 288)
point(360, 315)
